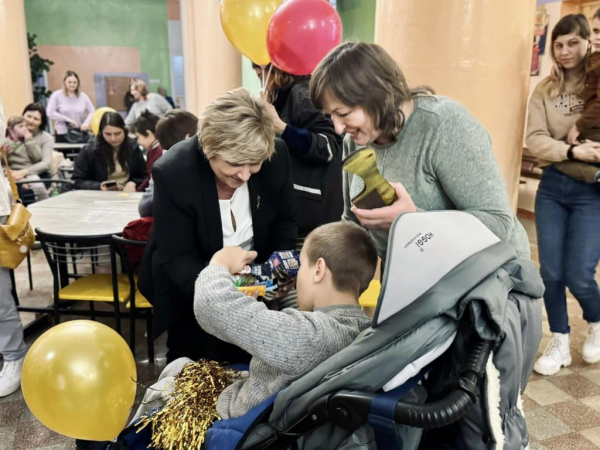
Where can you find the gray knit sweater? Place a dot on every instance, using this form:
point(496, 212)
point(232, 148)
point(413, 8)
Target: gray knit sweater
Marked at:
point(284, 344)
point(444, 159)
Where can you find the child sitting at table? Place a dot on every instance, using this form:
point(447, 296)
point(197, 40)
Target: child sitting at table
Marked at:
point(144, 128)
point(336, 265)
point(176, 126)
point(22, 151)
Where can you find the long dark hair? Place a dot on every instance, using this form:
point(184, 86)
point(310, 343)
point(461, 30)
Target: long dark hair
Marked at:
point(551, 88)
point(39, 108)
point(113, 119)
point(278, 79)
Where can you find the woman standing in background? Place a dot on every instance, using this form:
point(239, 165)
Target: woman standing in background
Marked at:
point(70, 108)
point(145, 101)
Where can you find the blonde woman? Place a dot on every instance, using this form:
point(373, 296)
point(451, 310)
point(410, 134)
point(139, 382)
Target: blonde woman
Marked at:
point(567, 211)
point(229, 185)
point(145, 101)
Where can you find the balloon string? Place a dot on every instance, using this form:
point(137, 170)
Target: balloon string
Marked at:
point(267, 80)
point(262, 79)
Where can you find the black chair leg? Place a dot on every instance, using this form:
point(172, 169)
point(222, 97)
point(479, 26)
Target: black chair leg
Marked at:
point(29, 271)
point(117, 318)
point(149, 338)
point(92, 311)
point(132, 331)
point(56, 312)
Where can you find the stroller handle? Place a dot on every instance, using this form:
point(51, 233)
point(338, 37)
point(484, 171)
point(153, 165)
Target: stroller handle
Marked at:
point(458, 402)
point(349, 408)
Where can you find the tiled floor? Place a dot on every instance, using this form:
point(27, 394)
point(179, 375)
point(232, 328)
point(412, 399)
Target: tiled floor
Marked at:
point(563, 412)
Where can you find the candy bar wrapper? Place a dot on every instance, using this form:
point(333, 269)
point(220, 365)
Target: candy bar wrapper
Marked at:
point(260, 290)
point(279, 269)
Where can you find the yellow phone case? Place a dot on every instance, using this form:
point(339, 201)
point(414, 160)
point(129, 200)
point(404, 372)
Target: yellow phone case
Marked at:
point(377, 192)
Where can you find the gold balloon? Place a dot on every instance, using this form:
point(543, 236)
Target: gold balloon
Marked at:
point(97, 117)
point(245, 23)
point(79, 380)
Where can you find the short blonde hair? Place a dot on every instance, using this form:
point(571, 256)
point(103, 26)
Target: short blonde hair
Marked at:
point(237, 128)
point(140, 86)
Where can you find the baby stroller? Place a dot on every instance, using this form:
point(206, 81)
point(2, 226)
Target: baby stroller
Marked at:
point(450, 350)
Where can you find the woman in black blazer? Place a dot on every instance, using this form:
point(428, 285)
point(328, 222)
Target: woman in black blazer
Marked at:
point(235, 153)
point(112, 156)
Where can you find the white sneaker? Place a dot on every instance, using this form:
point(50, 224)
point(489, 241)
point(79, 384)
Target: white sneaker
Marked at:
point(556, 355)
point(10, 377)
point(591, 347)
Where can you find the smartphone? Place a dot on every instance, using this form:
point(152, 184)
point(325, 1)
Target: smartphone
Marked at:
point(110, 183)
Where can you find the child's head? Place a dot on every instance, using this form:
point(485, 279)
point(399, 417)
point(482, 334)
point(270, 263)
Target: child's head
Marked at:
point(16, 127)
point(337, 258)
point(595, 26)
point(175, 126)
point(144, 129)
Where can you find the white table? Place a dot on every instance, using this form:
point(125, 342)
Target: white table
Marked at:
point(85, 213)
point(65, 146)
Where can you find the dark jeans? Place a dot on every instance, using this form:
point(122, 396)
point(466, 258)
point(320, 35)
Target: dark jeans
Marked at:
point(567, 216)
point(60, 139)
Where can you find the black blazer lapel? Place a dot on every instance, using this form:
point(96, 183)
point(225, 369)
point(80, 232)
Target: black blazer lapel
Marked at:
point(259, 226)
point(207, 200)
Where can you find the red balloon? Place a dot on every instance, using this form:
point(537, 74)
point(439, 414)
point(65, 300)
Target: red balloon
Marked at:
point(301, 33)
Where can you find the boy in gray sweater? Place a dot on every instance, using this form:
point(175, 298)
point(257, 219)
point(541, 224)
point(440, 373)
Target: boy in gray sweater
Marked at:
point(336, 265)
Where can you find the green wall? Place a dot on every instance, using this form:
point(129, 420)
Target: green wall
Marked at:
point(358, 19)
point(116, 23)
point(249, 79)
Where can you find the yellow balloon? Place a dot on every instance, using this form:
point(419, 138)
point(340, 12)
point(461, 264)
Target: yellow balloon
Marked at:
point(78, 380)
point(97, 117)
point(245, 23)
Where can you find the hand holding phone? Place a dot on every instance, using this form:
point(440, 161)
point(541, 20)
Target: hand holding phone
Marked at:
point(110, 185)
point(377, 193)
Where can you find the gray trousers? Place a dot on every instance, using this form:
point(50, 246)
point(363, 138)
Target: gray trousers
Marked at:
point(12, 346)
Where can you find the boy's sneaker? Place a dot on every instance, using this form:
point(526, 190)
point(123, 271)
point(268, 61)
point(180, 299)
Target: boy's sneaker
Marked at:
point(556, 355)
point(10, 377)
point(591, 346)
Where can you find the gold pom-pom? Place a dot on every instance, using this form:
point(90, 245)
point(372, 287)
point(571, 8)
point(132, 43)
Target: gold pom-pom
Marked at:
point(192, 408)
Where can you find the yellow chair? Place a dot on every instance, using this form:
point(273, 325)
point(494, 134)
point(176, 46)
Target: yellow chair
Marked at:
point(369, 298)
point(87, 255)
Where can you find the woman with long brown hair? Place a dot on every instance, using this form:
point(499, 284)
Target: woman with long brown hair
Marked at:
point(567, 211)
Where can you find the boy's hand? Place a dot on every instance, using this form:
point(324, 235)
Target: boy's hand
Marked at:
point(233, 258)
point(573, 135)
